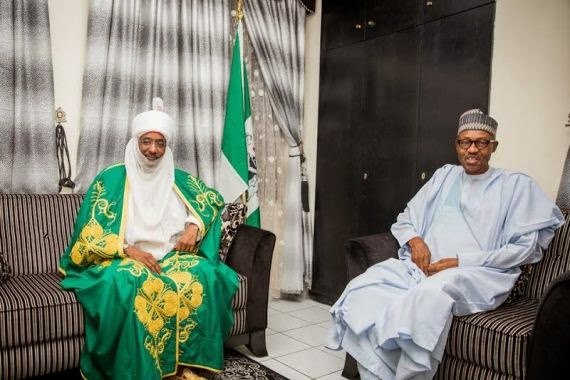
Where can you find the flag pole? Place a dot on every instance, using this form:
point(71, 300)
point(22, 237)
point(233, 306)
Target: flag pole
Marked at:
point(238, 16)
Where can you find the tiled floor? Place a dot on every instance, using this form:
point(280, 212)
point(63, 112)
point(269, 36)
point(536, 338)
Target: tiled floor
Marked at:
point(296, 337)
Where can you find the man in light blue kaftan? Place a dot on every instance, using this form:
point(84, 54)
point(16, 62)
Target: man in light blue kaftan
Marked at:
point(463, 237)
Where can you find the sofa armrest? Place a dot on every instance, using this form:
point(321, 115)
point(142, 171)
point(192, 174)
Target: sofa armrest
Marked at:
point(365, 251)
point(361, 253)
point(250, 255)
point(549, 349)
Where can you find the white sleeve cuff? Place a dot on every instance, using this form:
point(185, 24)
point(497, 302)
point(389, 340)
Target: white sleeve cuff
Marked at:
point(191, 219)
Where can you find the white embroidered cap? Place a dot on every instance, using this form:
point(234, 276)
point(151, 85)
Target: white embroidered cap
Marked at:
point(476, 119)
point(155, 120)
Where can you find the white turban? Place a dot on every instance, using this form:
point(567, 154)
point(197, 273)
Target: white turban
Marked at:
point(150, 182)
point(154, 121)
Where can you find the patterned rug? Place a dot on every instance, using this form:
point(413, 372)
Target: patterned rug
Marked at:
point(236, 367)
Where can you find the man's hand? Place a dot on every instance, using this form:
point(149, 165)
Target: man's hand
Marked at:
point(144, 257)
point(421, 254)
point(438, 266)
point(188, 239)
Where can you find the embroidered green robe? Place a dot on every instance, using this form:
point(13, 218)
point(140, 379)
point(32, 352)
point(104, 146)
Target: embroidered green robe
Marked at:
point(140, 324)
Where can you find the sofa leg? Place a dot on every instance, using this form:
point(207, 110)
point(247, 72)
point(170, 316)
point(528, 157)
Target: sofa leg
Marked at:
point(350, 370)
point(257, 343)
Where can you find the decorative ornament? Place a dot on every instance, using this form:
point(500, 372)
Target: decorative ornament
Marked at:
point(60, 116)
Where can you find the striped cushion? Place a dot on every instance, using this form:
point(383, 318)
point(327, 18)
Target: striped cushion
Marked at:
point(53, 356)
point(34, 309)
point(41, 325)
point(240, 298)
point(35, 230)
point(240, 325)
point(556, 261)
point(456, 369)
point(496, 340)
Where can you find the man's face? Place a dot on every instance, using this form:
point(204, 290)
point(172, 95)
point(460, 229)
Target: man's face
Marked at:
point(152, 145)
point(474, 159)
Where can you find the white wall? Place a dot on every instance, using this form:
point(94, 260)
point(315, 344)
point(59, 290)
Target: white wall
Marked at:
point(311, 105)
point(68, 32)
point(530, 88)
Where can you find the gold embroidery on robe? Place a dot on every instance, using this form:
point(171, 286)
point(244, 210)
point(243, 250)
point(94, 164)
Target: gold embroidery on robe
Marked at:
point(94, 243)
point(155, 304)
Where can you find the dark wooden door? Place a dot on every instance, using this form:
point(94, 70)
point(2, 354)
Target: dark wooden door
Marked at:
point(343, 23)
point(335, 196)
point(434, 9)
point(388, 135)
point(455, 76)
point(389, 16)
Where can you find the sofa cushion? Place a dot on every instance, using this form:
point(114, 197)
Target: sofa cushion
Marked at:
point(232, 217)
point(496, 339)
point(240, 298)
point(455, 369)
point(5, 269)
point(556, 260)
point(34, 308)
point(36, 229)
point(519, 289)
point(50, 357)
point(240, 325)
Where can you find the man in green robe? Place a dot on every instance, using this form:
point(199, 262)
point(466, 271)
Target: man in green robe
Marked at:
point(143, 262)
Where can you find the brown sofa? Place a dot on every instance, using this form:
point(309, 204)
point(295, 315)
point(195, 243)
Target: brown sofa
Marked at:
point(528, 337)
point(41, 325)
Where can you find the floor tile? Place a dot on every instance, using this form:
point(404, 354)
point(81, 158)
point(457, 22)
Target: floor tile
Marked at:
point(244, 351)
point(284, 322)
point(271, 311)
point(284, 370)
point(333, 376)
point(279, 345)
point(341, 354)
point(321, 305)
point(313, 335)
point(286, 306)
point(313, 363)
point(327, 325)
point(313, 314)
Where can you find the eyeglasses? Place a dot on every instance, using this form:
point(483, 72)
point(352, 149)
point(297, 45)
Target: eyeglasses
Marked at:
point(479, 144)
point(146, 142)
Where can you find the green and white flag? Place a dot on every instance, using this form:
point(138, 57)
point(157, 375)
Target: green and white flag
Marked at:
point(238, 169)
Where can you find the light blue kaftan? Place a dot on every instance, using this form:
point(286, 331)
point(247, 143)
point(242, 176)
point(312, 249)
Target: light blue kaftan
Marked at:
point(393, 319)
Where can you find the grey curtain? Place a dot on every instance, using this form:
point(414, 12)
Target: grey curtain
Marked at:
point(138, 49)
point(277, 32)
point(271, 156)
point(28, 158)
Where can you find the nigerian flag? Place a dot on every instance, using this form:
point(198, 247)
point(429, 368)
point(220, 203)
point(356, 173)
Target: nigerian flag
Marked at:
point(238, 169)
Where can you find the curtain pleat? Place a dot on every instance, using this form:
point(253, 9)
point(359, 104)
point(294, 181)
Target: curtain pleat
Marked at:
point(277, 32)
point(271, 156)
point(28, 157)
point(138, 49)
